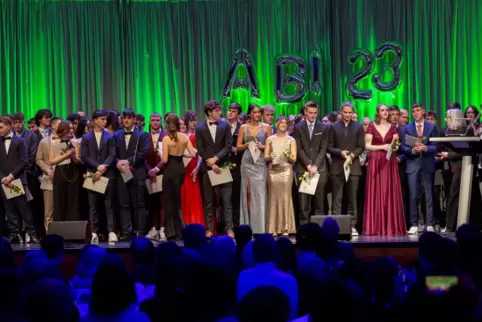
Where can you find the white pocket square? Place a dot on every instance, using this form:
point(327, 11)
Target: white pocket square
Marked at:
point(319, 133)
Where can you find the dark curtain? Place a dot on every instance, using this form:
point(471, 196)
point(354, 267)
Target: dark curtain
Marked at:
point(174, 55)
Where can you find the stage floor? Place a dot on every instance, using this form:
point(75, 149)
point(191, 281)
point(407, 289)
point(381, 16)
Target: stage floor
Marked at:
point(357, 242)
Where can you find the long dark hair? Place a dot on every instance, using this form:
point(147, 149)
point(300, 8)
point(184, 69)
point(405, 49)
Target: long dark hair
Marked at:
point(80, 131)
point(173, 126)
point(251, 107)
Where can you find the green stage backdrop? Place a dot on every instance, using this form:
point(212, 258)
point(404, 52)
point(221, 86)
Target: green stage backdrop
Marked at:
point(174, 55)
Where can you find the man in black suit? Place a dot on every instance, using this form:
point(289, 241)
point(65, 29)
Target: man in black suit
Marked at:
point(235, 156)
point(32, 171)
point(346, 142)
point(312, 142)
point(97, 152)
point(214, 142)
point(132, 146)
point(43, 119)
point(14, 161)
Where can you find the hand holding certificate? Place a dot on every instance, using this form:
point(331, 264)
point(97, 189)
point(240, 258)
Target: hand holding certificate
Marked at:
point(309, 183)
point(220, 178)
point(13, 189)
point(99, 186)
point(154, 187)
point(126, 173)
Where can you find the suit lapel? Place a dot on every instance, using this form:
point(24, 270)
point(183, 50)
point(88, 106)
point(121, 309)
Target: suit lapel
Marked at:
point(426, 128)
point(132, 141)
point(2, 147)
point(304, 129)
point(218, 133)
point(102, 140)
point(122, 140)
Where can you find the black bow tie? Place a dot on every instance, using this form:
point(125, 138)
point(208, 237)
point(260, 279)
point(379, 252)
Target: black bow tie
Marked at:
point(8, 138)
point(64, 141)
point(128, 133)
point(213, 123)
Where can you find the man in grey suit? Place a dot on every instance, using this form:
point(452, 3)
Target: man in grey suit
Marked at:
point(14, 156)
point(312, 142)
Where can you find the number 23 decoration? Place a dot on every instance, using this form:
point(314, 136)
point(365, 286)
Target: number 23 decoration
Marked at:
point(367, 57)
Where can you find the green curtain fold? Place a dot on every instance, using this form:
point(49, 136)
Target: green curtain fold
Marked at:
point(174, 55)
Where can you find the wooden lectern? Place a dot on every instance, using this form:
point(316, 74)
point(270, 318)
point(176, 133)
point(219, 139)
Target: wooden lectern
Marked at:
point(468, 146)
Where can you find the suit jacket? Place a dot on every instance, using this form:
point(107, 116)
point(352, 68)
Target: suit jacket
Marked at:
point(207, 148)
point(153, 158)
point(236, 157)
point(39, 135)
point(139, 170)
point(93, 156)
point(350, 138)
point(311, 151)
point(32, 144)
point(15, 162)
point(454, 155)
point(424, 160)
point(43, 154)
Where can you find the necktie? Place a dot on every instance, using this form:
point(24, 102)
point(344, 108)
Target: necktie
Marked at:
point(127, 133)
point(419, 130)
point(213, 123)
point(310, 128)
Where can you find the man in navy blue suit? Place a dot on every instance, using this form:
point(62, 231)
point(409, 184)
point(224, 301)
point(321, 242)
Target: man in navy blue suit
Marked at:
point(14, 162)
point(132, 146)
point(97, 150)
point(420, 165)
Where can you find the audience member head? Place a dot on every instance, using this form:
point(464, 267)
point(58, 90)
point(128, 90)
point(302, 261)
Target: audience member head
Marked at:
point(437, 255)
point(308, 237)
point(254, 112)
point(5, 126)
point(471, 112)
point(265, 303)
point(36, 269)
point(65, 130)
point(212, 109)
point(287, 255)
point(10, 284)
point(265, 249)
point(243, 234)
point(431, 116)
point(333, 116)
point(418, 112)
point(90, 260)
point(382, 113)
point(53, 247)
point(169, 261)
point(142, 251)
point(234, 111)
point(113, 123)
point(394, 114)
point(173, 126)
point(82, 127)
point(365, 123)
point(191, 120)
point(455, 105)
point(6, 254)
point(384, 272)
point(267, 112)
point(128, 119)
point(310, 111)
point(50, 300)
point(112, 289)
point(403, 120)
point(247, 255)
point(31, 125)
point(194, 236)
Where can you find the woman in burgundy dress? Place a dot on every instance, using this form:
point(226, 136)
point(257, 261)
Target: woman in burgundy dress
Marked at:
point(383, 213)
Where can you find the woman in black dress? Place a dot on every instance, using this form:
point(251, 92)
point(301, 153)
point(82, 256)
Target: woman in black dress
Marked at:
point(174, 146)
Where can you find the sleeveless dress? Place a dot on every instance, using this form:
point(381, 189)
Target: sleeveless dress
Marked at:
point(383, 213)
point(281, 216)
point(172, 180)
point(191, 202)
point(255, 174)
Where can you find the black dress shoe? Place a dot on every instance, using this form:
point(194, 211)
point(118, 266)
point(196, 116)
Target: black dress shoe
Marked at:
point(15, 239)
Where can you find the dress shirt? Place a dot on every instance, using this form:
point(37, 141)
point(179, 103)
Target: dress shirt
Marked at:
point(233, 127)
point(44, 131)
point(266, 274)
point(98, 137)
point(212, 130)
point(128, 137)
point(8, 142)
point(155, 139)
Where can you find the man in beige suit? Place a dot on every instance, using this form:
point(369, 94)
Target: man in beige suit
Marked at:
point(43, 162)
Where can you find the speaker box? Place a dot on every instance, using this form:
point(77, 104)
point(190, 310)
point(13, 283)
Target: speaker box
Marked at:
point(70, 230)
point(344, 222)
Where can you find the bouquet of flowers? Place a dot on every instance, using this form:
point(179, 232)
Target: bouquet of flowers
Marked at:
point(305, 177)
point(229, 165)
point(88, 175)
point(349, 161)
point(14, 188)
point(395, 143)
point(252, 139)
point(156, 146)
point(287, 154)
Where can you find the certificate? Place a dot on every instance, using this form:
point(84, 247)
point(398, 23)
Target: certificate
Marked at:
point(255, 152)
point(58, 150)
point(46, 183)
point(127, 174)
point(221, 178)
point(346, 168)
point(98, 186)
point(308, 184)
point(411, 140)
point(389, 152)
point(154, 187)
point(15, 189)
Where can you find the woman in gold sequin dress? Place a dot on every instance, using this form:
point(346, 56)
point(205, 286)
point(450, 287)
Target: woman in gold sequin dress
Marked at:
point(280, 150)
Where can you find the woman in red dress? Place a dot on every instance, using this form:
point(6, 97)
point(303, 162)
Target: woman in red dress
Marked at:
point(383, 213)
point(191, 202)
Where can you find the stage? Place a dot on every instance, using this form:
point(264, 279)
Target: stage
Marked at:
point(402, 249)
